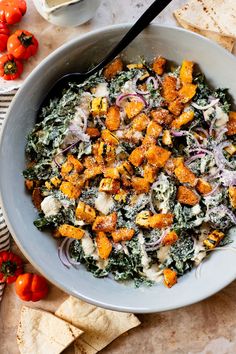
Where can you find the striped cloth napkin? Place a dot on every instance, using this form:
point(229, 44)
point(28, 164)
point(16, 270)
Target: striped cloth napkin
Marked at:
point(5, 101)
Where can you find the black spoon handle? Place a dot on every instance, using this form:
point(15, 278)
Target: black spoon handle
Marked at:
point(154, 10)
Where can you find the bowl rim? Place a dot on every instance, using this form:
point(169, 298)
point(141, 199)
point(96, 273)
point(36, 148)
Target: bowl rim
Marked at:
point(13, 231)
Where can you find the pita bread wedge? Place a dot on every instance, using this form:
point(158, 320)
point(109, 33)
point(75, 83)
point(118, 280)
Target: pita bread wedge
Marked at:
point(210, 15)
point(41, 332)
point(100, 326)
point(226, 42)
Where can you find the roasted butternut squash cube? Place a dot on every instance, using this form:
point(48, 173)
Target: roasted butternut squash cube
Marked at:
point(113, 68)
point(170, 238)
point(185, 175)
point(75, 179)
point(135, 66)
point(172, 164)
point(99, 106)
point(112, 121)
point(89, 162)
point(176, 107)
point(105, 223)
point(55, 181)
point(169, 87)
point(137, 156)
point(93, 132)
point(71, 191)
point(133, 108)
point(157, 156)
point(70, 231)
point(122, 234)
point(213, 239)
point(48, 185)
point(111, 172)
point(126, 169)
point(154, 129)
point(231, 149)
point(150, 173)
point(142, 218)
point(66, 168)
point(109, 185)
point(167, 138)
point(183, 119)
point(140, 122)
point(170, 277)
point(85, 212)
point(121, 196)
point(140, 185)
point(77, 165)
point(187, 196)
point(232, 196)
point(187, 92)
point(203, 187)
point(186, 72)
point(37, 198)
point(159, 221)
point(104, 245)
point(109, 137)
point(106, 152)
point(159, 65)
point(148, 141)
point(231, 125)
point(92, 172)
point(162, 116)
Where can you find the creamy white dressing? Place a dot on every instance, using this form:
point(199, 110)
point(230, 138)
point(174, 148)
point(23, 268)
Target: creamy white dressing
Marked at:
point(221, 117)
point(128, 87)
point(104, 202)
point(50, 206)
point(163, 253)
point(88, 246)
point(196, 209)
point(101, 90)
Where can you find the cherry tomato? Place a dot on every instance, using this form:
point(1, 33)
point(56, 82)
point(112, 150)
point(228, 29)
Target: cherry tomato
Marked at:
point(11, 11)
point(31, 287)
point(11, 266)
point(22, 45)
point(10, 68)
point(4, 35)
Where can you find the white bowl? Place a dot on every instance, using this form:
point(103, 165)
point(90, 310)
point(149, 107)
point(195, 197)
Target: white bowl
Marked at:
point(40, 248)
point(67, 13)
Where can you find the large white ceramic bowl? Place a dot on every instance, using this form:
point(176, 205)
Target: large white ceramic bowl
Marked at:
point(40, 248)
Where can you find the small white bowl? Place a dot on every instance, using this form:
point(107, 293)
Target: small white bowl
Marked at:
point(67, 13)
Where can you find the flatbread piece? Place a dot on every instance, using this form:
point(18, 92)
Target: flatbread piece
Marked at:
point(100, 326)
point(210, 15)
point(224, 41)
point(40, 332)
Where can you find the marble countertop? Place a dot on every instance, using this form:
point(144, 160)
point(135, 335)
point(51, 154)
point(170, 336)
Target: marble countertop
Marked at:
point(208, 327)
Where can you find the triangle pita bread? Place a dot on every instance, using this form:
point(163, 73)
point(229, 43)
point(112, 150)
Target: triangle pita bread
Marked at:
point(226, 42)
point(210, 15)
point(41, 332)
point(101, 326)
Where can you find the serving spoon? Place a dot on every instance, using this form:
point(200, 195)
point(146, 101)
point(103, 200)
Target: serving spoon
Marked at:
point(154, 9)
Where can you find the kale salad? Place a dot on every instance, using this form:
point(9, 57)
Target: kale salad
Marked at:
point(133, 171)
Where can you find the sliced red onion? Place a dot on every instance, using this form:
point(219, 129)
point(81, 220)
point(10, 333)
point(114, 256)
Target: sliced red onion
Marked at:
point(228, 178)
point(124, 96)
point(226, 210)
point(179, 133)
point(213, 190)
point(204, 108)
point(195, 157)
point(212, 126)
point(66, 149)
point(61, 254)
point(221, 161)
point(221, 134)
point(141, 92)
point(154, 82)
point(201, 150)
point(204, 131)
point(64, 255)
point(153, 246)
